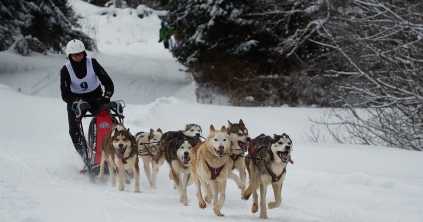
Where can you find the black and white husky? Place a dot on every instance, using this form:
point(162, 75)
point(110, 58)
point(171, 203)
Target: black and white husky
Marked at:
point(266, 164)
point(191, 130)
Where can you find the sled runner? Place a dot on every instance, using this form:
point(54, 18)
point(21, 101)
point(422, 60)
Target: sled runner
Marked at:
point(100, 125)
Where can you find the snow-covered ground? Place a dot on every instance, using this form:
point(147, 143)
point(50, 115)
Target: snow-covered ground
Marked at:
point(39, 168)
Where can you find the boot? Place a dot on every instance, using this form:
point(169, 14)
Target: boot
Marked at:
point(82, 151)
point(80, 145)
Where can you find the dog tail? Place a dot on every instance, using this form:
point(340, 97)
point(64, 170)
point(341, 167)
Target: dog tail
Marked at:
point(248, 192)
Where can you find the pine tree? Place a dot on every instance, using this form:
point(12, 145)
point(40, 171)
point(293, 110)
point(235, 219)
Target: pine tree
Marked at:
point(13, 16)
point(52, 22)
point(47, 23)
point(218, 39)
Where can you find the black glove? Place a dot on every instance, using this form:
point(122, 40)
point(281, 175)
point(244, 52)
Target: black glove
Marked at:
point(160, 40)
point(105, 100)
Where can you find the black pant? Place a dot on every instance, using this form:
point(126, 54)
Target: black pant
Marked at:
point(166, 44)
point(74, 132)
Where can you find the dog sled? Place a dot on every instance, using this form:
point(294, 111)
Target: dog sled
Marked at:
point(100, 125)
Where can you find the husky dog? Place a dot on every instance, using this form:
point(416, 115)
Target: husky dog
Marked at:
point(191, 130)
point(210, 168)
point(266, 164)
point(147, 145)
point(177, 152)
point(119, 148)
point(239, 145)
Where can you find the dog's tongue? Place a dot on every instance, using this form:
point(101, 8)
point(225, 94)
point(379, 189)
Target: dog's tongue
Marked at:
point(244, 146)
point(286, 156)
point(185, 160)
point(119, 153)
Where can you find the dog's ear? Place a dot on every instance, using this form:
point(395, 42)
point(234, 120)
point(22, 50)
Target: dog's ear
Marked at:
point(114, 132)
point(241, 123)
point(223, 128)
point(274, 136)
point(230, 124)
point(159, 130)
point(212, 128)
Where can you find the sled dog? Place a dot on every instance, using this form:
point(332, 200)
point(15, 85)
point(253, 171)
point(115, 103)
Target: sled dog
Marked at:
point(266, 164)
point(191, 130)
point(147, 144)
point(119, 148)
point(177, 152)
point(239, 145)
point(210, 168)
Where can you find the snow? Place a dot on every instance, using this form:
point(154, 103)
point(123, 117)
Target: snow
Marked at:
point(39, 168)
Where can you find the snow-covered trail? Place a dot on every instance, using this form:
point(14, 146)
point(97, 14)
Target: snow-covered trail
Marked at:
point(39, 168)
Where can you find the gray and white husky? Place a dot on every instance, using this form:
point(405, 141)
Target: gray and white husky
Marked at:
point(239, 146)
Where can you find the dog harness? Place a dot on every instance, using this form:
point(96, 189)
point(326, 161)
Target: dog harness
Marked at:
point(234, 158)
point(214, 172)
point(146, 151)
point(273, 175)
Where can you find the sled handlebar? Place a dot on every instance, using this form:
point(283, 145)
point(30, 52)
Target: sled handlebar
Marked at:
point(80, 106)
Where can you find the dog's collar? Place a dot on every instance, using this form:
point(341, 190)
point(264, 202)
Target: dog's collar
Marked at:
point(214, 172)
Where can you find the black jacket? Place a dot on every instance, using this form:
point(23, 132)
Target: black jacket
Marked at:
point(80, 69)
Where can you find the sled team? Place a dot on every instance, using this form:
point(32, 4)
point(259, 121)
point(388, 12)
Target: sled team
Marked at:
point(208, 164)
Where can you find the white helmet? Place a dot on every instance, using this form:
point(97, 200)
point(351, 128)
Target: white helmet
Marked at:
point(75, 46)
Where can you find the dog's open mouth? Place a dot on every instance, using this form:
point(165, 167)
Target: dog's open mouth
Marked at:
point(284, 156)
point(120, 152)
point(219, 152)
point(185, 160)
point(197, 140)
point(244, 146)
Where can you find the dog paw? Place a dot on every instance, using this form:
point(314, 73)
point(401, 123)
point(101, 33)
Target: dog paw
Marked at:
point(254, 209)
point(263, 216)
point(202, 204)
point(272, 205)
point(207, 199)
point(121, 188)
point(241, 186)
point(217, 212)
point(185, 202)
point(137, 191)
